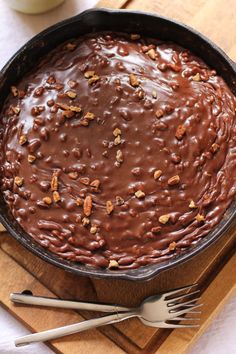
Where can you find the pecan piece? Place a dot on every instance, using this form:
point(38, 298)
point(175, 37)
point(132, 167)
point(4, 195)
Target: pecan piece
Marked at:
point(173, 180)
point(89, 116)
point(56, 196)
point(85, 221)
point(93, 79)
point(116, 132)
point(200, 218)
point(95, 184)
point(196, 77)
point(23, 139)
point(47, 200)
point(71, 94)
point(93, 229)
point(84, 180)
point(88, 205)
point(73, 175)
point(192, 205)
point(89, 74)
point(79, 201)
point(14, 91)
point(159, 113)
point(113, 264)
point(151, 53)
point(163, 219)
point(172, 246)
point(157, 174)
point(180, 132)
point(133, 80)
point(16, 109)
point(139, 194)
point(109, 207)
point(119, 156)
point(54, 182)
point(119, 200)
point(214, 148)
point(156, 229)
point(31, 158)
point(71, 46)
point(117, 140)
point(19, 181)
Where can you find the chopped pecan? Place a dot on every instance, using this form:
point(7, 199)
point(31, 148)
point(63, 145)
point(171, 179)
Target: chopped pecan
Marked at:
point(109, 207)
point(19, 181)
point(159, 113)
point(71, 94)
point(119, 200)
point(116, 132)
point(16, 109)
point(88, 205)
point(89, 116)
point(66, 107)
point(133, 80)
point(157, 174)
point(23, 139)
point(113, 264)
point(95, 184)
point(93, 79)
point(85, 221)
point(151, 53)
point(47, 200)
point(51, 80)
point(139, 194)
point(163, 219)
point(117, 140)
point(72, 84)
point(135, 36)
point(56, 196)
point(89, 74)
point(68, 114)
point(172, 246)
point(31, 158)
point(79, 201)
point(200, 217)
point(84, 180)
point(192, 205)
point(196, 77)
point(119, 156)
point(154, 94)
point(214, 148)
point(173, 180)
point(180, 132)
point(39, 91)
point(54, 182)
point(93, 229)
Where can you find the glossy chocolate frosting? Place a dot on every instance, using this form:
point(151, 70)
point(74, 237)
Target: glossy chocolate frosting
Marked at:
point(119, 151)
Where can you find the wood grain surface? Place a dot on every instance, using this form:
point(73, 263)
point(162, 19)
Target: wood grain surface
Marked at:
point(212, 269)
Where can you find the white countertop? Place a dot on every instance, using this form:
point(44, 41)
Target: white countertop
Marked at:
point(15, 30)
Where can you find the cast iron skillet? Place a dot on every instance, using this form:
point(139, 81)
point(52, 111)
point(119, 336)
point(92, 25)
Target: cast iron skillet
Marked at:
point(132, 22)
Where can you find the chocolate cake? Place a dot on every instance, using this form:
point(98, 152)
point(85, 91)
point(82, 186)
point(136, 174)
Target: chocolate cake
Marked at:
point(118, 151)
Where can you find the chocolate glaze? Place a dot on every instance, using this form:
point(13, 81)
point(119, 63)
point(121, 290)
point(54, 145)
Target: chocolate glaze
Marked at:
point(157, 156)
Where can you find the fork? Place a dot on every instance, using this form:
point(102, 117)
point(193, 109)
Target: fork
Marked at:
point(162, 311)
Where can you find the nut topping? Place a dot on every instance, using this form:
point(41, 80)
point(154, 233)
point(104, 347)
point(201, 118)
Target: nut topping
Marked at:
point(23, 139)
point(56, 196)
point(180, 132)
point(119, 156)
point(157, 174)
point(19, 181)
point(88, 205)
point(156, 229)
point(14, 91)
point(113, 264)
point(133, 80)
point(172, 246)
point(196, 77)
point(139, 194)
point(73, 175)
point(163, 219)
point(151, 53)
point(192, 205)
point(85, 221)
point(116, 132)
point(95, 184)
point(84, 180)
point(93, 230)
point(79, 201)
point(119, 200)
point(89, 116)
point(47, 200)
point(54, 182)
point(173, 180)
point(31, 158)
point(159, 113)
point(214, 148)
point(109, 207)
point(71, 94)
point(89, 74)
point(71, 46)
point(200, 217)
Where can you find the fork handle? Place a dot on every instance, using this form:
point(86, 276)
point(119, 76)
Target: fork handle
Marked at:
point(71, 329)
point(65, 304)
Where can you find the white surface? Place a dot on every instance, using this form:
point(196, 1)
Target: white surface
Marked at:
point(15, 30)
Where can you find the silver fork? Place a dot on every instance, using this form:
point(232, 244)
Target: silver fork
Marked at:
point(162, 311)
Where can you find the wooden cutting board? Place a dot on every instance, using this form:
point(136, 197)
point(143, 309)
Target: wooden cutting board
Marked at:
point(20, 270)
